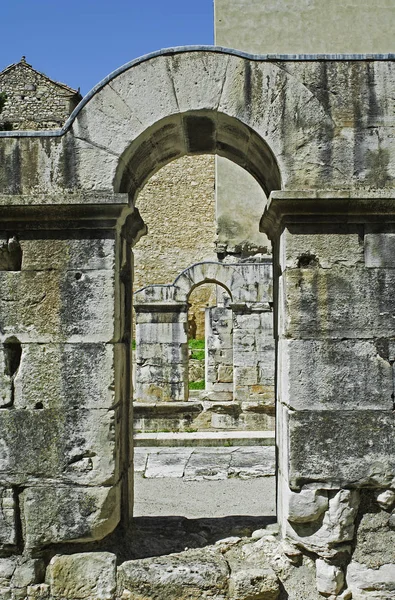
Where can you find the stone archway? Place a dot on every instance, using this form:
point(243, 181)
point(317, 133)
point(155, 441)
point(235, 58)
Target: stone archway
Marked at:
point(161, 331)
point(73, 191)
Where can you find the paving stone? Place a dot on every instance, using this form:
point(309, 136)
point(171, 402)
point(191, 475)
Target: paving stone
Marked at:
point(248, 463)
point(208, 466)
point(167, 464)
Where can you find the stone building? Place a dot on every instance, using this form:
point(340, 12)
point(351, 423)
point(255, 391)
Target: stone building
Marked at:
point(33, 100)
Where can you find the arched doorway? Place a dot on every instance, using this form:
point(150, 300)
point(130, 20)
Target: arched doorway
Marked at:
point(141, 117)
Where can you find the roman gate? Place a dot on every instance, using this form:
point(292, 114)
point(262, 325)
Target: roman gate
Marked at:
point(317, 133)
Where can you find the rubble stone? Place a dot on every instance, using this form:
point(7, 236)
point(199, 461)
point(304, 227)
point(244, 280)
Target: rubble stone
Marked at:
point(191, 575)
point(330, 578)
point(254, 584)
point(83, 576)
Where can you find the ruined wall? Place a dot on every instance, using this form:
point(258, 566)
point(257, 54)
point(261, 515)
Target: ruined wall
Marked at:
point(178, 206)
point(321, 125)
point(33, 101)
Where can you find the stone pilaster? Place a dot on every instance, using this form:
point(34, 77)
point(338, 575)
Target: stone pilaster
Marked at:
point(65, 383)
point(161, 351)
point(335, 329)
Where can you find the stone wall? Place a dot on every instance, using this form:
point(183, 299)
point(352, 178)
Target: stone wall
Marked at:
point(300, 124)
point(308, 26)
point(178, 206)
point(33, 101)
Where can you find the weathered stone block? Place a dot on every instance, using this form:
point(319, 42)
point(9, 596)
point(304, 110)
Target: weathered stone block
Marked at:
point(364, 582)
point(161, 392)
point(161, 354)
point(205, 466)
point(223, 356)
point(375, 536)
point(49, 306)
point(386, 499)
point(96, 252)
point(7, 568)
point(161, 374)
point(8, 534)
point(333, 245)
point(39, 591)
point(255, 421)
point(265, 344)
point(246, 323)
point(160, 315)
point(196, 84)
point(244, 339)
point(28, 572)
point(96, 166)
point(167, 464)
point(75, 445)
point(256, 393)
point(245, 375)
point(149, 83)
point(342, 447)
point(379, 250)
point(330, 578)
point(337, 526)
point(307, 505)
point(318, 374)
point(253, 584)
point(217, 342)
point(83, 576)
point(225, 374)
point(252, 358)
point(56, 514)
point(167, 333)
point(248, 463)
point(183, 576)
point(318, 303)
point(70, 375)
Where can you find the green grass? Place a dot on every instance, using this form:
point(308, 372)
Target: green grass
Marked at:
point(198, 355)
point(196, 344)
point(196, 385)
point(198, 347)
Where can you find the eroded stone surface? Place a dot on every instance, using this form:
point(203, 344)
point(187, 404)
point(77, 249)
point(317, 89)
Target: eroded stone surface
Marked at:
point(87, 576)
point(330, 578)
point(333, 530)
point(8, 534)
point(53, 515)
point(371, 583)
point(191, 575)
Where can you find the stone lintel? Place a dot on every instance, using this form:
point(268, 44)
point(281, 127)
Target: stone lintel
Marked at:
point(251, 307)
point(146, 306)
point(63, 211)
point(331, 206)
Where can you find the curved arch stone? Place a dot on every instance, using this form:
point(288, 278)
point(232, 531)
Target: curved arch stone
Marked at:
point(201, 102)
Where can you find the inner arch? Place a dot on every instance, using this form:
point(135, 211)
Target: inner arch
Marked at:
point(198, 132)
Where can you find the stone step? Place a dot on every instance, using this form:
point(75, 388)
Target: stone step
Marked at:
point(205, 463)
point(202, 416)
point(205, 438)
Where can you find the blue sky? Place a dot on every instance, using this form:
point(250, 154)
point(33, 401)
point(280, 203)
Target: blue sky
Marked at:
point(80, 42)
